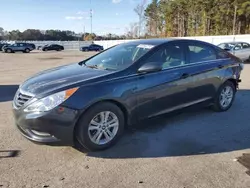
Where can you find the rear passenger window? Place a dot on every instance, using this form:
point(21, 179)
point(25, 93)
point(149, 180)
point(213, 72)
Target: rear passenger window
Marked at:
point(245, 45)
point(200, 52)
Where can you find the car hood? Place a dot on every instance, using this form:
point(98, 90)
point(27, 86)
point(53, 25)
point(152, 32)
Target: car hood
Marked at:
point(59, 77)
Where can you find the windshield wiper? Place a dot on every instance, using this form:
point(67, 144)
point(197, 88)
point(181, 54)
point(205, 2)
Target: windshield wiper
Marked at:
point(109, 69)
point(92, 66)
point(96, 67)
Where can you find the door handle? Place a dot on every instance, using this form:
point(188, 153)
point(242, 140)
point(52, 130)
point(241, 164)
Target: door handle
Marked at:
point(185, 75)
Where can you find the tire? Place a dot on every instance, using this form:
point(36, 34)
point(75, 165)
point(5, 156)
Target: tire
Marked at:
point(85, 136)
point(85, 50)
point(8, 50)
point(27, 50)
point(218, 101)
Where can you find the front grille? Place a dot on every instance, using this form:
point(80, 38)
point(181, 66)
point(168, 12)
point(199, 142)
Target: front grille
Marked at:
point(21, 99)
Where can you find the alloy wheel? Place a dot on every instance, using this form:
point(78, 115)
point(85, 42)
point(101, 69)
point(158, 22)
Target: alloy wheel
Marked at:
point(103, 127)
point(226, 96)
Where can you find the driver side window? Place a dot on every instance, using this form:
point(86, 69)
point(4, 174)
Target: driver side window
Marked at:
point(170, 55)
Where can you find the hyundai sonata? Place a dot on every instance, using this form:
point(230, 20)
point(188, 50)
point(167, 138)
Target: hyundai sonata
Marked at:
point(94, 100)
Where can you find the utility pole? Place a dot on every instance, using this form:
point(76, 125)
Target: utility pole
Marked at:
point(91, 15)
point(83, 32)
point(235, 14)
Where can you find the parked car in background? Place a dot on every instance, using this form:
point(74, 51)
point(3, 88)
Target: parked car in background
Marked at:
point(41, 46)
point(94, 100)
point(92, 47)
point(32, 45)
point(239, 49)
point(18, 47)
point(2, 45)
point(50, 47)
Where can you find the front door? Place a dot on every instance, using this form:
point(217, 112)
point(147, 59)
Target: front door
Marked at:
point(166, 90)
point(91, 47)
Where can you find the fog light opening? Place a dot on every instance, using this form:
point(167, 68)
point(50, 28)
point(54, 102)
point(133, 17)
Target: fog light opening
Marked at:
point(40, 133)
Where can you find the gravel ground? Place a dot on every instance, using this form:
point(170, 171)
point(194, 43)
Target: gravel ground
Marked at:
point(197, 148)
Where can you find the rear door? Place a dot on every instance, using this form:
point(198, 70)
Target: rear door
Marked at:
point(21, 46)
point(205, 69)
point(238, 50)
point(245, 52)
point(166, 90)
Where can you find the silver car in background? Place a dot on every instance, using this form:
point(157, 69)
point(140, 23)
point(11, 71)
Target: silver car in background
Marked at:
point(239, 49)
point(18, 47)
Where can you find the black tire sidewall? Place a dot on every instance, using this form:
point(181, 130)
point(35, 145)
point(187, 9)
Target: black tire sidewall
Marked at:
point(217, 102)
point(83, 123)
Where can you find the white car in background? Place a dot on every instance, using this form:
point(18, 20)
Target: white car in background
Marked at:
point(239, 49)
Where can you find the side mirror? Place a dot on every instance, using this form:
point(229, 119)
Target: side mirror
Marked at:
point(150, 67)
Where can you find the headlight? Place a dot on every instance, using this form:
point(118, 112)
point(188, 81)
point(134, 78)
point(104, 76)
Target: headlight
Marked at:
point(50, 102)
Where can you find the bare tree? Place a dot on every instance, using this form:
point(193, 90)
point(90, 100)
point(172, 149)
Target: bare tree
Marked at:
point(139, 10)
point(132, 30)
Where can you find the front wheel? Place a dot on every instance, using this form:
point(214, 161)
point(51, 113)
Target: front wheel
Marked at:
point(224, 97)
point(100, 127)
point(8, 50)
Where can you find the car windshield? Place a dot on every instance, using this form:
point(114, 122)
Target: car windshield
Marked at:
point(118, 57)
point(227, 45)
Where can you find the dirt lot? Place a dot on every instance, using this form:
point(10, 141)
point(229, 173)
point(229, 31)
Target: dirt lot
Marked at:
point(197, 148)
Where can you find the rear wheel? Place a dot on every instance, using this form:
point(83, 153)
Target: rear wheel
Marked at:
point(100, 127)
point(27, 50)
point(224, 97)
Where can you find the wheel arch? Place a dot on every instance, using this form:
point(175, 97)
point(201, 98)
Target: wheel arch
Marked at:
point(234, 81)
point(113, 101)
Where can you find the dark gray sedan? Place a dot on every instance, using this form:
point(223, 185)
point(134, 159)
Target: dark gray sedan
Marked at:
point(239, 49)
point(92, 101)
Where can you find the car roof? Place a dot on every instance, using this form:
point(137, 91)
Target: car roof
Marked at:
point(151, 41)
point(233, 42)
point(157, 42)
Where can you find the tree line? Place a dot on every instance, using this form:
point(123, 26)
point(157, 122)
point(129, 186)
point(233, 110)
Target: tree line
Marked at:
point(53, 35)
point(178, 18)
point(163, 18)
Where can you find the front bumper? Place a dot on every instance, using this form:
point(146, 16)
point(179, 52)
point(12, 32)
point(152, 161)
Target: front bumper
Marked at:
point(55, 127)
